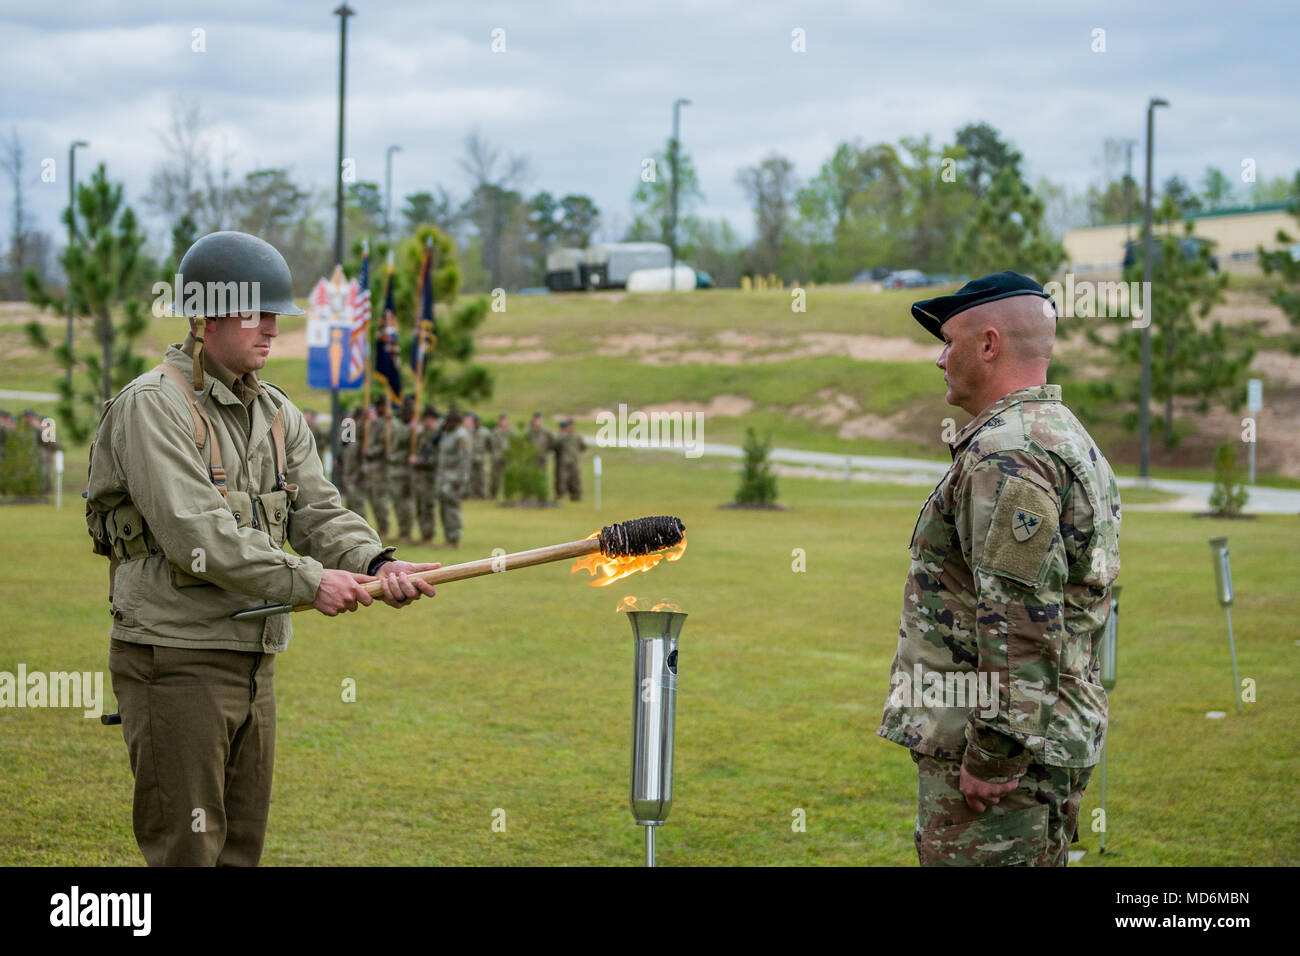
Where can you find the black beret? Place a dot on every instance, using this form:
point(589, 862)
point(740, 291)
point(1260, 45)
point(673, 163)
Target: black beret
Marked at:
point(933, 313)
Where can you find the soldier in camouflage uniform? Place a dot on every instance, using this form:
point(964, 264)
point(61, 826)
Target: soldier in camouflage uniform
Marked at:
point(399, 469)
point(498, 445)
point(350, 465)
point(569, 447)
point(478, 481)
point(995, 685)
point(319, 433)
point(374, 467)
point(455, 454)
point(543, 441)
point(424, 474)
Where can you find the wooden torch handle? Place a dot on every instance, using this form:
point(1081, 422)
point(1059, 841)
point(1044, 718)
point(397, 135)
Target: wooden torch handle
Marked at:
point(474, 569)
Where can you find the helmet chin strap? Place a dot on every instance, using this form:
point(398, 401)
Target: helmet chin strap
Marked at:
point(196, 329)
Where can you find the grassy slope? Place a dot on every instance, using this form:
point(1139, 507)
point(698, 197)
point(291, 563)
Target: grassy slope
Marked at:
point(514, 693)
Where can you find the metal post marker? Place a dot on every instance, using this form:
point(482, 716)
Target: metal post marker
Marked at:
point(1223, 583)
point(654, 714)
point(1254, 403)
point(1109, 648)
point(58, 480)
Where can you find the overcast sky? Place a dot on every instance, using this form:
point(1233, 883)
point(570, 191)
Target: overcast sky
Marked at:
point(585, 89)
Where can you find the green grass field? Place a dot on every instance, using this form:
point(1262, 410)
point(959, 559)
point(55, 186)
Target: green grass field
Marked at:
point(515, 693)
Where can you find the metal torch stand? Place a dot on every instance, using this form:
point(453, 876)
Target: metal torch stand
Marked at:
point(654, 712)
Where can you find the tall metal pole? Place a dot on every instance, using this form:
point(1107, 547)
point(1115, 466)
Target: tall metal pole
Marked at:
point(342, 13)
point(672, 186)
point(1128, 190)
point(1144, 410)
point(388, 192)
point(72, 236)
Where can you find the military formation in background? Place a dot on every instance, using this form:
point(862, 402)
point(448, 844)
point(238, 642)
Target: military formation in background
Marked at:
point(416, 472)
point(27, 455)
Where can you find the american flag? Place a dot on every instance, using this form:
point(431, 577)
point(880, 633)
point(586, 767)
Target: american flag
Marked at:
point(360, 337)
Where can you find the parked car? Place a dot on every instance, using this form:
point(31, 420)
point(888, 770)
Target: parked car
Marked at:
point(906, 279)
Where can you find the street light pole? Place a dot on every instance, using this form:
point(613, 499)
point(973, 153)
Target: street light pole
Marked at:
point(1144, 409)
point(72, 235)
point(388, 192)
point(343, 12)
point(672, 214)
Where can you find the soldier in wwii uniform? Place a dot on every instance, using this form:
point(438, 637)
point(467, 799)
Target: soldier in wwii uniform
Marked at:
point(200, 472)
point(399, 469)
point(350, 464)
point(498, 445)
point(995, 687)
point(569, 447)
point(455, 454)
point(374, 462)
point(424, 473)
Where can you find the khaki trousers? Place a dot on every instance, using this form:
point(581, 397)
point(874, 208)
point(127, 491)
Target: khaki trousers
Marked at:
point(200, 731)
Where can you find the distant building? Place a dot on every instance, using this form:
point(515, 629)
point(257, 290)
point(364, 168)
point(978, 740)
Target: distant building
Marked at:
point(1235, 234)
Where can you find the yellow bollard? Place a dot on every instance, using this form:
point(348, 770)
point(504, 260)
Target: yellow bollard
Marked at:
point(745, 284)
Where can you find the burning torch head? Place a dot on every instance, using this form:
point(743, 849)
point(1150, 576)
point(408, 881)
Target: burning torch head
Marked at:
point(641, 536)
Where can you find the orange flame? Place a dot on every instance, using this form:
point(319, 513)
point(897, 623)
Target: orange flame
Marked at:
point(632, 603)
point(607, 570)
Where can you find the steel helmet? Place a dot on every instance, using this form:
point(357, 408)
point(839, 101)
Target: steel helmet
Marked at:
point(222, 258)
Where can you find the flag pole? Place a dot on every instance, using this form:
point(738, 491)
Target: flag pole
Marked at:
point(419, 332)
point(370, 359)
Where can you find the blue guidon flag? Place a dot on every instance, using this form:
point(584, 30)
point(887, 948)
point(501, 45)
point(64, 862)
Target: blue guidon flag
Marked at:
point(426, 327)
point(387, 365)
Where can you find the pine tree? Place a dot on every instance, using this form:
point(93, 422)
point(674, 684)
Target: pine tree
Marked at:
point(1188, 358)
point(757, 483)
point(20, 465)
point(1008, 232)
point(1287, 268)
point(522, 478)
point(1229, 495)
point(106, 273)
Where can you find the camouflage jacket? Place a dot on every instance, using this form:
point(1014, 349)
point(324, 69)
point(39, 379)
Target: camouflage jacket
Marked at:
point(426, 449)
point(455, 455)
point(569, 447)
point(1013, 557)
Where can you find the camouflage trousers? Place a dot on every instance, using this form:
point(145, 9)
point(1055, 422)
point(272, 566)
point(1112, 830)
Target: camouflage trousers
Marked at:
point(403, 496)
point(377, 494)
point(1031, 826)
point(478, 480)
point(449, 511)
point(568, 481)
point(494, 485)
point(349, 489)
point(422, 483)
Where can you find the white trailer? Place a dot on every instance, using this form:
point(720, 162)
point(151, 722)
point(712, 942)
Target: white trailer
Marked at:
point(608, 265)
point(563, 270)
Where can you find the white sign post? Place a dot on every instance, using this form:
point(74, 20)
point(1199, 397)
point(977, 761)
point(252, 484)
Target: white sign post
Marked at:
point(595, 467)
point(1254, 402)
point(58, 480)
